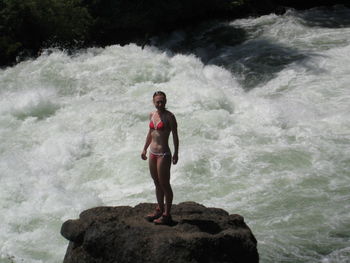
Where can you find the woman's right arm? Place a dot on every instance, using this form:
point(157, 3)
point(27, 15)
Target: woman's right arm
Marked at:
point(147, 143)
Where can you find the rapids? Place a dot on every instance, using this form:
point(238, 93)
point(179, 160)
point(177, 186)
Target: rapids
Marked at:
point(263, 107)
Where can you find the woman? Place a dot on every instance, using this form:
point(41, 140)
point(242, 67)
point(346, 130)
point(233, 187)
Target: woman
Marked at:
point(162, 122)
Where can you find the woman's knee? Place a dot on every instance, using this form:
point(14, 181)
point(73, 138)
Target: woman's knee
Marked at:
point(165, 185)
point(157, 183)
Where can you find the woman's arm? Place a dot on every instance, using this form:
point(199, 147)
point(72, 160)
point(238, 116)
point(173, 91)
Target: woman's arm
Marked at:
point(173, 126)
point(147, 143)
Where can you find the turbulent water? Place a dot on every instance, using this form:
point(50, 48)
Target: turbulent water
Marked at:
point(263, 107)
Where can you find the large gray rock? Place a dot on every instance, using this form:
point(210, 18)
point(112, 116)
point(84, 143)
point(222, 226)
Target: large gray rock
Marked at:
point(121, 234)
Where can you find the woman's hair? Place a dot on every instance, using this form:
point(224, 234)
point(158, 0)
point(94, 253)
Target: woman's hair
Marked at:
point(157, 93)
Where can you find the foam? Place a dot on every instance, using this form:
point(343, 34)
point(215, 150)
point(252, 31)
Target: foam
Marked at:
point(73, 127)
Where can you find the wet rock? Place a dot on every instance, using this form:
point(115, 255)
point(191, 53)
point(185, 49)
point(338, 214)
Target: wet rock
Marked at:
point(121, 234)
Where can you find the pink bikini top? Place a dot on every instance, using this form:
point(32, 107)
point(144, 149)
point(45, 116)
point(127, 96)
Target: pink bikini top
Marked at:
point(160, 125)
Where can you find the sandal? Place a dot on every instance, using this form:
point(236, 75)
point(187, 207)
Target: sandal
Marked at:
point(164, 220)
point(157, 214)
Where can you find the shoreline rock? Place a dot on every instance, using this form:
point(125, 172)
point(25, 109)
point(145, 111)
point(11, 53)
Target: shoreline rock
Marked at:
point(121, 234)
point(84, 23)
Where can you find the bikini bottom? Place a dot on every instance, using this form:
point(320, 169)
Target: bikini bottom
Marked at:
point(155, 156)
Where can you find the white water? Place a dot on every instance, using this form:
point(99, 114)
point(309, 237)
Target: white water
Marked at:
point(275, 151)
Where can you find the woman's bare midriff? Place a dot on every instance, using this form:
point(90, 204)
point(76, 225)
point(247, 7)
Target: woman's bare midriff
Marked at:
point(160, 141)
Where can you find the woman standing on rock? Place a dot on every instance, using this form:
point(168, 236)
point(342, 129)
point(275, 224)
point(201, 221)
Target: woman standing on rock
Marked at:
point(162, 122)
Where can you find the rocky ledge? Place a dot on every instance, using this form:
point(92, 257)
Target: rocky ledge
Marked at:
point(121, 234)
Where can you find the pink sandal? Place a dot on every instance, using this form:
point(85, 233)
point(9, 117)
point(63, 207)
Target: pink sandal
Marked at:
point(163, 220)
point(151, 217)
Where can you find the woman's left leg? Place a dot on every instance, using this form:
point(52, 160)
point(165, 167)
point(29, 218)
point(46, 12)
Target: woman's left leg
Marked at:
point(163, 169)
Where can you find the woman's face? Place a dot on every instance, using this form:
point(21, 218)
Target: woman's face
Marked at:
point(159, 102)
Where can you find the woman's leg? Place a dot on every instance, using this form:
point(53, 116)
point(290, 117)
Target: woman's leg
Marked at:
point(163, 172)
point(159, 191)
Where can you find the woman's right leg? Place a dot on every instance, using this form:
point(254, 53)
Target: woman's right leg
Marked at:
point(159, 191)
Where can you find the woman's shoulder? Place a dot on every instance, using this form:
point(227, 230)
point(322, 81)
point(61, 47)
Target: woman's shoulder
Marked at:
point(169, 114)
point(170, 117)
point(150, 115)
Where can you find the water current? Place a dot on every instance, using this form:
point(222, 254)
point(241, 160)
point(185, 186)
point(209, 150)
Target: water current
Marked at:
point(263, 107)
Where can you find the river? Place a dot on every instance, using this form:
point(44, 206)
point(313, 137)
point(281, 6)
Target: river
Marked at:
point(263, 108)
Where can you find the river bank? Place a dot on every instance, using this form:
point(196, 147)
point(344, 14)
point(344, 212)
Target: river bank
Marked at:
point(31, 26)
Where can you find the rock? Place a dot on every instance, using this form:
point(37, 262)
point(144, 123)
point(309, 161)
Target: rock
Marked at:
point(121, 234)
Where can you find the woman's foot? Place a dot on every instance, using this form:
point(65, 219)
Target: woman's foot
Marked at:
point(163, 220)
point(151, 217)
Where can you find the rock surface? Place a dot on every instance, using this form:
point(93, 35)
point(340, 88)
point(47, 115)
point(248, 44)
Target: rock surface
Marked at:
point(121, 234)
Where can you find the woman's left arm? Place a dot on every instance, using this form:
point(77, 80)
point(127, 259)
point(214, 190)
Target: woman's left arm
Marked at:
point(173, 127)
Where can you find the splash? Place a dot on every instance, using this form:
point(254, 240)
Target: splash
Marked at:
point(263, 125)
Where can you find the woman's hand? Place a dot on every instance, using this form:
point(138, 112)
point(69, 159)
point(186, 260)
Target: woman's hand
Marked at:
point(175, 158)
point(143, 155)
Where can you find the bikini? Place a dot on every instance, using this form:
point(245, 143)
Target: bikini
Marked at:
point(160, 126)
